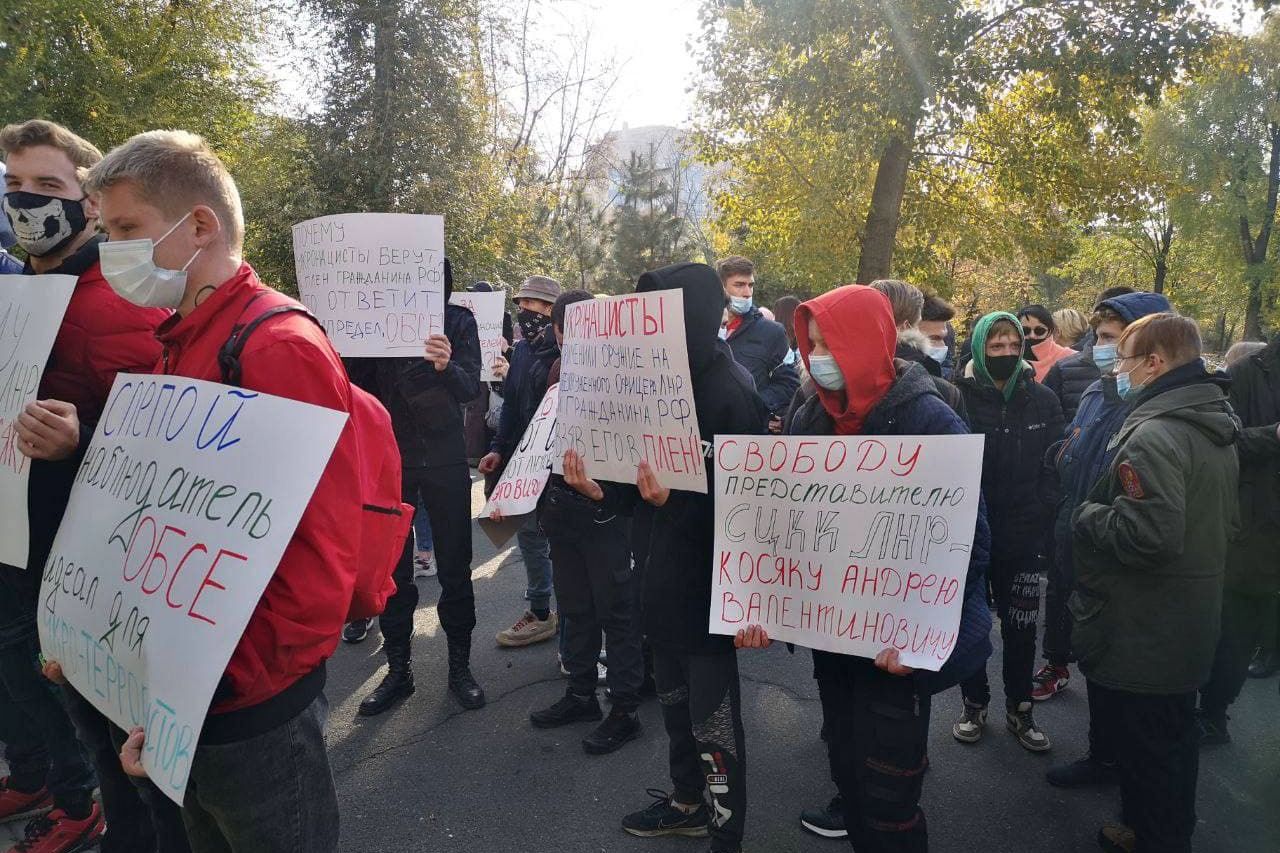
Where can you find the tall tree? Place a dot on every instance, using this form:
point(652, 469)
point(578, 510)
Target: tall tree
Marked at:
point(897, 75)
point(649, 228)
point(1222, 130)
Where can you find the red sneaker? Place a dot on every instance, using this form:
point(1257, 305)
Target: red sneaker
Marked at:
point(58, 833)
point(1049, 682)
point(15, 805)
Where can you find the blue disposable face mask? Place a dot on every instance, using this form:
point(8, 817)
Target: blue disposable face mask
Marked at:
point(740, 304)
point(938, 354)
point(1104, 356)
point(826, 372)
point(1125, 387)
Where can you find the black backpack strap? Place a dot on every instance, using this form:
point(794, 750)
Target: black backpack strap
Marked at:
point(229, 355)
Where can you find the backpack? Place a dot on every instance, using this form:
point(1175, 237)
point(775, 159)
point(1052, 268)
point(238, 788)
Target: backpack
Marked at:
point(385, 520)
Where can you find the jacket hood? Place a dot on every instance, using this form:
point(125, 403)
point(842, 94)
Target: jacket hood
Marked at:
point(857, 324)
point(703, 307)
point(448, 280)
point(981, 331)
point(1135, 306)
point(1189, 393)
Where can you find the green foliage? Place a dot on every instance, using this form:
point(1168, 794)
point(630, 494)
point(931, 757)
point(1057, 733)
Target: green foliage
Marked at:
point(649, 230)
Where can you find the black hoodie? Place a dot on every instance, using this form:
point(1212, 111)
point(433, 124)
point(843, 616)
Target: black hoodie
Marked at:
point(677, 574)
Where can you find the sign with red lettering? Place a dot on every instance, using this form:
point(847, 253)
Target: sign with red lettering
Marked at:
point(488, 309)
point(31, 309)
point(526, 474)
point(848, 544)
point(186, 499)
point(375, 280)
point(625, 391)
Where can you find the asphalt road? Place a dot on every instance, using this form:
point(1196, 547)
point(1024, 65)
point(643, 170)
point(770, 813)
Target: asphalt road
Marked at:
point(428, 776)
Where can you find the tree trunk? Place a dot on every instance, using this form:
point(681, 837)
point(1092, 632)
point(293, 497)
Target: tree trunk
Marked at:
point(1222, 331)
point(1162, 257)
point(881, 232)
point(1253, 308)
point(384, 112)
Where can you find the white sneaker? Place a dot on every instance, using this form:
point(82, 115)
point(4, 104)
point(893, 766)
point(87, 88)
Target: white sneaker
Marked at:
point(424, 565)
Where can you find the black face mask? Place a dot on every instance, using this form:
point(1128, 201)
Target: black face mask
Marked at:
point(1027, 352)
point(1001, 367)
point(44, 224)
point(531, 323)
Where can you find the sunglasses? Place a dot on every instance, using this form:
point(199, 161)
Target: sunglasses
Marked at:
point(1035, 331)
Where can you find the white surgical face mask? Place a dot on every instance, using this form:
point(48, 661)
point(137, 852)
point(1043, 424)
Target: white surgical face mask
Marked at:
point(129, 267)
point(826, 372)
point(938, 354)
point(740, 304)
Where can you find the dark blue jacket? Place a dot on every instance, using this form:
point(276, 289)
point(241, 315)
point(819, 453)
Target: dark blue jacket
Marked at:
point(1083, 456)
point(760, 345)
point(519, 398)
point(913, 407)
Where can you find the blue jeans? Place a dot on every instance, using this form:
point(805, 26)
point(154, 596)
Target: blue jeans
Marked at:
point(422, 525)
point(536, 551)
point(272, 793)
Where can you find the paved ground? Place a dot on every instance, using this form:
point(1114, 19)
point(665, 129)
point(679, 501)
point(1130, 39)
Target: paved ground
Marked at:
point(428, 776)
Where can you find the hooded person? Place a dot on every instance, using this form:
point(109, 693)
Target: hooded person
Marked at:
point(696, 672)
point(425, 397)
point(1021, 419)
point(1072, 376)
point(877, 713)
point(1150, 546)
point(1082, 456)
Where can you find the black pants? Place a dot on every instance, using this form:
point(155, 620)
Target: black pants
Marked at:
point(141, 818)
point(878, 739)
point(1158, 750)
point(40, 742)
point(446, 494)
point(702, 712)
point(1057, 618)
point(1015, 585)
point(594, 590)
point(1244, 618)
point(1101, 741)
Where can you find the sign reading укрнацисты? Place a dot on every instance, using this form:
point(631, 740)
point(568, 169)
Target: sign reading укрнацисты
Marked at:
point(849, 544)
point(186, 499)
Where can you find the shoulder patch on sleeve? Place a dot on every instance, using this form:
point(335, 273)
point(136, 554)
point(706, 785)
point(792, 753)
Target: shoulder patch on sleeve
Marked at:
point(1129, 481)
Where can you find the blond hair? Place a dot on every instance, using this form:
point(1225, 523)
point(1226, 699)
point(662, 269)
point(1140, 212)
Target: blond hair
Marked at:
point(906, 300)
point(1175, 337)
point(1071, 326)
point(174, 170)
point(83, 154)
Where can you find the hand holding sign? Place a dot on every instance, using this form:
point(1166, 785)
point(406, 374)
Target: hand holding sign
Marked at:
point(131, 753)
point(49, 430)
point(752, 637)
point(575, 474)
point(888, 661)
point(439, 351)
point(651, 490)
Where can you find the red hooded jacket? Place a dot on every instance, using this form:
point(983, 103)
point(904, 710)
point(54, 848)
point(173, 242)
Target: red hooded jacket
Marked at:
point(857, 325)
point(297, 622)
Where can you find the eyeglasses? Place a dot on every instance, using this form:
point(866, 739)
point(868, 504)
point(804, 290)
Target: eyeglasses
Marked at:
point(1035, 331)
point(1121, 359)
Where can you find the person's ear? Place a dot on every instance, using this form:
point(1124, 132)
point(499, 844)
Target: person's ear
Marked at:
point(207, 224)
point(90, 205)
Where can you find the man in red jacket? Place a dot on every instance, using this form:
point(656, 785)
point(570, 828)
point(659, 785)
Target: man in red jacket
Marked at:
point(260, 779)
point(100, 335)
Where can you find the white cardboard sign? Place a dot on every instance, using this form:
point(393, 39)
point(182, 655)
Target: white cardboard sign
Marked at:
point(186, 499)
point(31, 309)
point(526, 475)
point(488, 309)
point(848, 544)
point(626, 393)
point(375, 280)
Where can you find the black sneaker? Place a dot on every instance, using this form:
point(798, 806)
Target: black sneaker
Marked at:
point(1088, 772)
point(1213, 729)
point(662, 818)
point(569, 709)
point(618, 728)
point(827, 821)
point(355, 632)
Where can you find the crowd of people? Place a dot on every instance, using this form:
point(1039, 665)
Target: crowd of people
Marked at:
point(1141, 484)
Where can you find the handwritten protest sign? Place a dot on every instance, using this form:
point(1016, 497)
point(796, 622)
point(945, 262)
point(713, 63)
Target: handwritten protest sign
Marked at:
point(848, 544)
point(488, 309)
point(375, 280)
point(526, 475)
point(187, 497)
point(625, 391)
point(31, 309)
